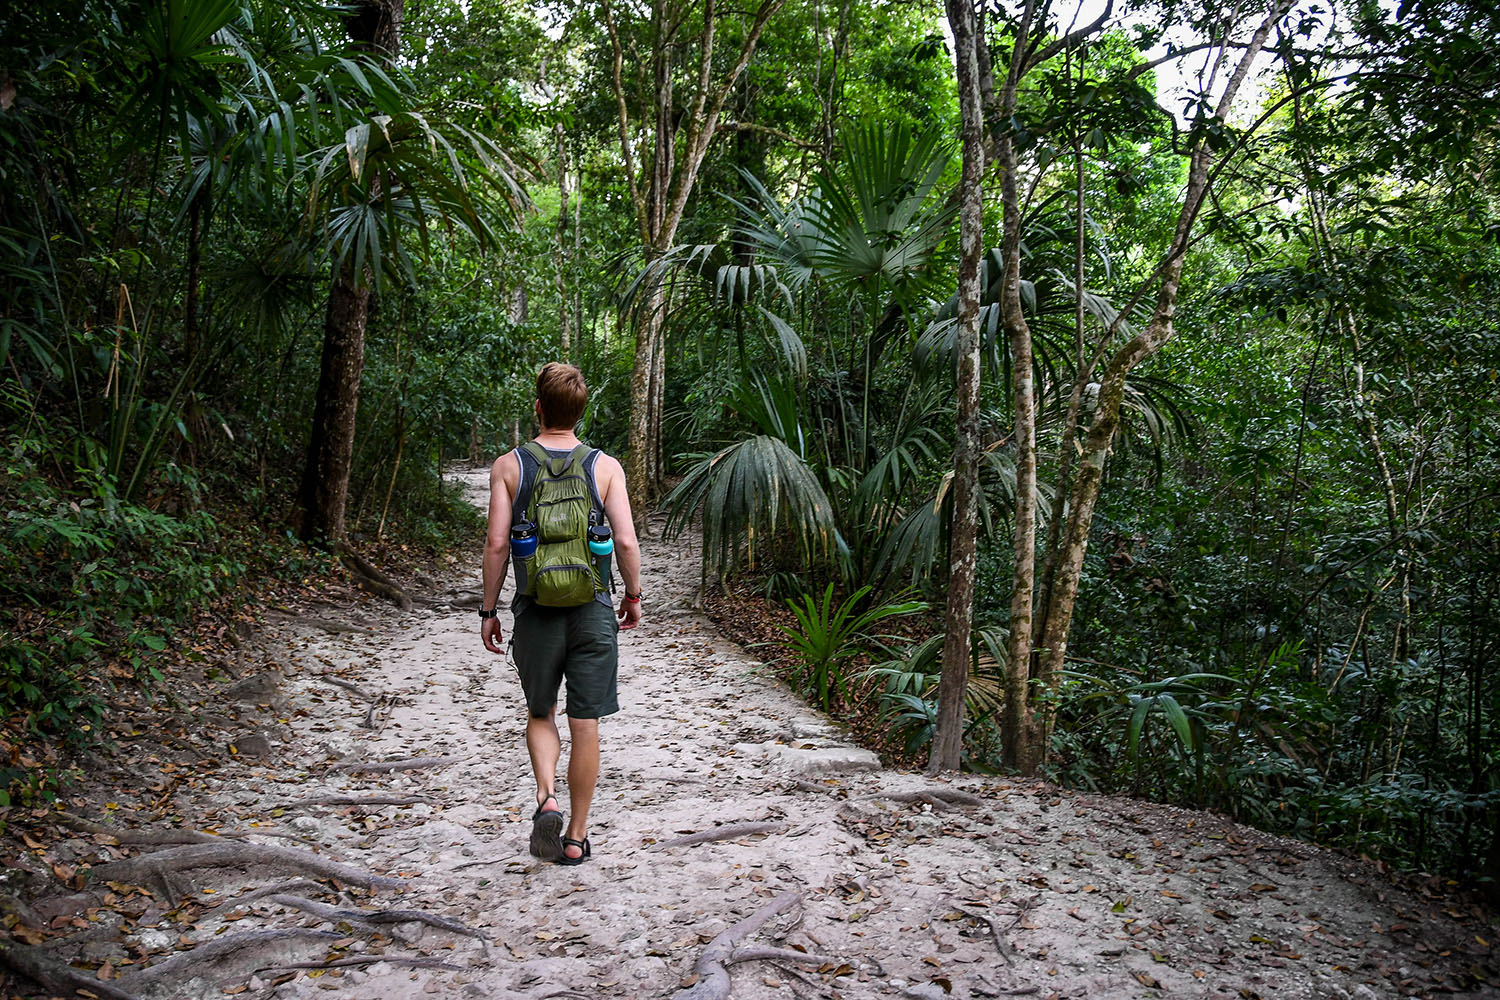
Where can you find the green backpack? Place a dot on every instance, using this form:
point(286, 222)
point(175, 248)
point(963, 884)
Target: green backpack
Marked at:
point(562, 573)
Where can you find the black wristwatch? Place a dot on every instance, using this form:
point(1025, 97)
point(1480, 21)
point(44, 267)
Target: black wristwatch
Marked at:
point(492, 612)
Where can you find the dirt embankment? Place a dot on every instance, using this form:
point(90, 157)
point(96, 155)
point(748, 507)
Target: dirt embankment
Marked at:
point(368, 836)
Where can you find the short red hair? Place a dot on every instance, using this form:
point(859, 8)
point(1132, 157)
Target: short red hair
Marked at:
point(561, 393)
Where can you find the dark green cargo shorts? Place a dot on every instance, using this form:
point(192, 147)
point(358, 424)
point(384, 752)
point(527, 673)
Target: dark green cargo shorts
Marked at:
point(574, 644)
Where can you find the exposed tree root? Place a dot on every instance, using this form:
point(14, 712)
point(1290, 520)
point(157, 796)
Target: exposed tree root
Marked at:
point(938, 798)
point(367, 577)
point(137, 838)
point(808, 786)
point(405, 962)
point(188, 963)
point(161, 864)
point(56, 977)
point(326, 624)
point(354, 689)
point(292, 885)
point(730, 832)
point(335, 915)
point(726, 949)
point(995, 932)
point(167, 838)
point(404, 764)
point(362, 800)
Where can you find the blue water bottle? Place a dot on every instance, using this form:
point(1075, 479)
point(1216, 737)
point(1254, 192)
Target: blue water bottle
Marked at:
point(523, 539)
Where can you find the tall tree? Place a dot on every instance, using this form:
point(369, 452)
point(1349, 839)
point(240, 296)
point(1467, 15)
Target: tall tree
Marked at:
point(947, 744)
point(372, 191)
point(374, 26)
point(661, 182)
point(1096, 443)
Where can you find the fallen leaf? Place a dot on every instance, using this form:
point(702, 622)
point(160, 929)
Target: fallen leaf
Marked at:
point(1146, 979)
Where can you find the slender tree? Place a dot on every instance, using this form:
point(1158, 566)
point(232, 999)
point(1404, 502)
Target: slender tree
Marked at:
point(374, 26)
point(660, 183)
point(947, 744)
point(1095, 445)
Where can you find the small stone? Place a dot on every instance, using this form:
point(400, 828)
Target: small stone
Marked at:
point(252, 745)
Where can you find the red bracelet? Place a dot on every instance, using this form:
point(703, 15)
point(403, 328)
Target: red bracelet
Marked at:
point(633, 600)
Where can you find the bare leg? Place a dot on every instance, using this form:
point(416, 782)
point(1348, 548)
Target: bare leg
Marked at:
point(583, 774)
point(545, 746)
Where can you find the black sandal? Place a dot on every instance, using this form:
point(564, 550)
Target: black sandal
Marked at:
point(582, 845)
point(546, 829)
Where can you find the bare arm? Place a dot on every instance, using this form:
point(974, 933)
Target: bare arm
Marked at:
point(496, 552)
point(627, 548)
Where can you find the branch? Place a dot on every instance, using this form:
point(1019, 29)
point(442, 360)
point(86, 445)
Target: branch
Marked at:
point(700, 132)
point(636, 200)
point(786, 137)
point(731, 832)
point(1072, 38)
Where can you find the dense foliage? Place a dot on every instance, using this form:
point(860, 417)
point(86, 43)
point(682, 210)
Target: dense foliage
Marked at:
point(1289, 600)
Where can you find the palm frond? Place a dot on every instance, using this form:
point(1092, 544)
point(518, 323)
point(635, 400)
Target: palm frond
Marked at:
point(750, 495)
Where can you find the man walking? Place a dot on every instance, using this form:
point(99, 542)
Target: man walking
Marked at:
point(565, 504)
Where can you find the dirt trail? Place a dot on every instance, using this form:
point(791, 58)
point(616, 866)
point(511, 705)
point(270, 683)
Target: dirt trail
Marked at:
point(975, 888)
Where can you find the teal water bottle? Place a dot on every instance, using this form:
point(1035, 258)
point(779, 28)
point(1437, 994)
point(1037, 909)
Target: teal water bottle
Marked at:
point(601, 540)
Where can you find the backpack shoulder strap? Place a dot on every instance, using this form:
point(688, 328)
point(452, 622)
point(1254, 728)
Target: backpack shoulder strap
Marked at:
point(536, 451)
point(576, 457)
point(590, 463)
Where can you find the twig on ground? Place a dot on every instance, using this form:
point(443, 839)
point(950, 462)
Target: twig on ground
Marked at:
point(383, 766)
point(758, 953)
point(362, 800)
point(731, 832)
point(373, 718)
point(989, 922)
point(334, 914)
point(354, 689)
point(235, 855)
point(406, 962)
point(483, 861)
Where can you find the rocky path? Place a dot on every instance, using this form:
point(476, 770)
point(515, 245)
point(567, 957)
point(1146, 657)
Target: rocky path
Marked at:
point(396, 750)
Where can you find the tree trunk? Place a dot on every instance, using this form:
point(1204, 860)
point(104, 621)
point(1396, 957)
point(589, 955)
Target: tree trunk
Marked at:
point(1020, 740)
point(194, 267)
point(1100, 437)
point(640, 447)
point(330, 451)
point(659, 193)
point(947, 743)
point(374, 26)
point(565, 338)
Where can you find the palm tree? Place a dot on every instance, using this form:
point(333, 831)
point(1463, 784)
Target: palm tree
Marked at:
point(391, 173)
